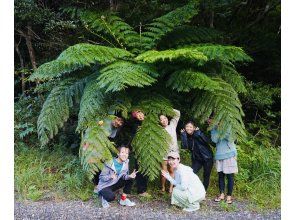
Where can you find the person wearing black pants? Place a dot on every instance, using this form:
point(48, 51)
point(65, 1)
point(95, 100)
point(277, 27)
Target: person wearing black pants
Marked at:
point(221, 183)
point(201, 153)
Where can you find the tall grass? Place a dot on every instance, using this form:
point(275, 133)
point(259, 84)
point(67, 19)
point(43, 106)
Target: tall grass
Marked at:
point(41, 174)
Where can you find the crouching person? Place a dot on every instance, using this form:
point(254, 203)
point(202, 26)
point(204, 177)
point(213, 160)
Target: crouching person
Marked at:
point(188, 190)
point(114, 176)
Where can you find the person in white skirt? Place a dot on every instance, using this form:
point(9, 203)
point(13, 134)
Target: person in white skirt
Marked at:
point(226, 163)
point(189, 190)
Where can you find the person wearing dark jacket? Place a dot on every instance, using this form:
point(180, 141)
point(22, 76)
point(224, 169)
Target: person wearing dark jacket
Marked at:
point(202, 156)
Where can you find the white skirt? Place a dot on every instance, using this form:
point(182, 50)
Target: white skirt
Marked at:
point(227, 166)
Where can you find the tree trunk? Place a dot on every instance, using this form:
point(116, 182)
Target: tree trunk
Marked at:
point(29, 44)
point(23, 83)
point(211, 19)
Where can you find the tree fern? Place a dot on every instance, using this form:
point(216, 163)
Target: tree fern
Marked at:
point(120, 75)
point(95, 149)
point(56, 109)
point(77, 57)
point(150, 145)
point(152, 56)
point(186, 80)
point(226, 107)
point(166, 23)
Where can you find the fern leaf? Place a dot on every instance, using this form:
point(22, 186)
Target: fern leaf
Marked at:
point(186, 80)
point(225, 105)
point(120, 75)
point(165, 24)
point(152, 56)
point(56, 109)
point(150, 145)
point(77, 57)
point(95, 149)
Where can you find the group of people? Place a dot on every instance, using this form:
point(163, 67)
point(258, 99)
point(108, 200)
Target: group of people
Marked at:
point(186, 189)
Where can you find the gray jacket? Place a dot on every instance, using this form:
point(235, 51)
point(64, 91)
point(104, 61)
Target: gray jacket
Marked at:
point(105, 179)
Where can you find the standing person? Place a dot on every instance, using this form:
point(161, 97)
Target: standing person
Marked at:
point(201, 153)
point(171, 130)
point(141, 180)
point(113, 128)
point(226, 163)
point(188, 190)
point(114, 176)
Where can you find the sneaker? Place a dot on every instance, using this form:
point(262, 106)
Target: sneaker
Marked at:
point(105, 204)
point(190, 209)
point(126, 202)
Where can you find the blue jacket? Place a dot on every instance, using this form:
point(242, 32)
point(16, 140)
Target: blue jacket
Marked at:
point(224, 148)
point(105, 179)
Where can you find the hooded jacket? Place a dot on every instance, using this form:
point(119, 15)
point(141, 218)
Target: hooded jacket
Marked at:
point(105, 178)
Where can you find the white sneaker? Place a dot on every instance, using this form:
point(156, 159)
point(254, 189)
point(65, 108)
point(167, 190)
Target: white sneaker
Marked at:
point(190, 209)
point(126, 202)
point(105, 204)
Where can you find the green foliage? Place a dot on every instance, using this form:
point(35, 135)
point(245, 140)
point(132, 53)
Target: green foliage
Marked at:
point(120, 75)
point(186, 80)
point(95, 148)
point(150, 145)
point(166, 23)
point(186, 34)
point(171, 55)
point(226, 107)
point(112, 26)
point(77, 57)
point(226, 54)
point(43, 174)
point(56, 109)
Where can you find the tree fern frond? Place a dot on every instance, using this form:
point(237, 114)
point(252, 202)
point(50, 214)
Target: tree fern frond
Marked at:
point(95, 149)
point(150, 145)
point(225, 105)
point(114, 26)
point(186, 80)
point(227, 54)
point(166, 23)
point(236, 80)
point(120, 75)
point(152, 56)
point(56, 109)
point(185, 34)
point(77, 57)
point(92, 105)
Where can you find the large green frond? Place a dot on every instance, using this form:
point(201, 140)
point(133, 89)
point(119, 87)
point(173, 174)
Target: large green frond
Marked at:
point(227, 54)
point(95, 149)
point(77, 57)
point(166, 23)
point(185, 35)
point(186, 80)
point(152, 56)
point(150, 145)
point(226, 107)
point(113, 26)
point(121, 75)
point(56, 108)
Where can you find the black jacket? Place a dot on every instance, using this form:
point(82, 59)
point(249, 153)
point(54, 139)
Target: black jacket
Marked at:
point(198, 144)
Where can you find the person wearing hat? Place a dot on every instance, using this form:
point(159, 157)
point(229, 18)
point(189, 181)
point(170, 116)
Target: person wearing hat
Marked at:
point(188, 190)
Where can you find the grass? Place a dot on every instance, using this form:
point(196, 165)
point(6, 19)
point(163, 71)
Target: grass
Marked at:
point(43, 174)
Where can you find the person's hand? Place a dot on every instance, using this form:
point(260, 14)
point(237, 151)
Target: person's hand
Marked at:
point(196, 129)
point(133, 174)
point(114, 176)
point(182, 130)
point(166, 175)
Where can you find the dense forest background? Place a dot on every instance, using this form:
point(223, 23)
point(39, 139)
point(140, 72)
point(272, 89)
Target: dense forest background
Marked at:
point(43, 29)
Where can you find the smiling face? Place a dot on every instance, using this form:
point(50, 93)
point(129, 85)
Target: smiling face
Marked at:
point(163, 120)
point(140, 116)
point(173, 162)
point(117, 122)
point(190, 128)
point(123, 154)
